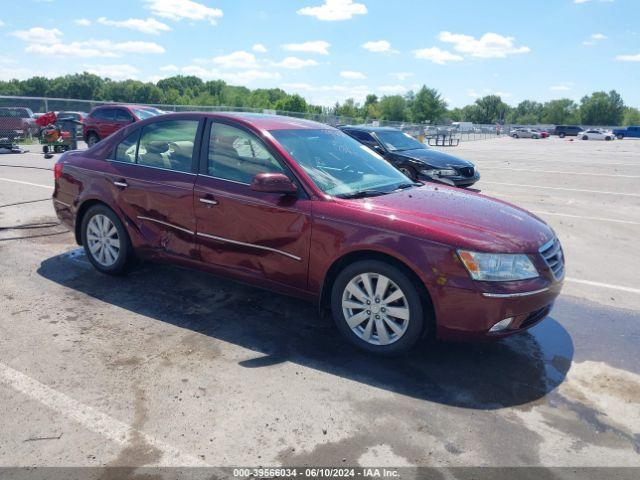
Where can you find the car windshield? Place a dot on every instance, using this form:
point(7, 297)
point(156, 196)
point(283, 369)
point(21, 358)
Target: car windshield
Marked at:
point(340, 165)
point(143, 113)
point(398, 141)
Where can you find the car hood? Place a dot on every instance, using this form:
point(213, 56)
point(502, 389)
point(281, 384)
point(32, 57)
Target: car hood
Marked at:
point(456, 217)
point(434, 158)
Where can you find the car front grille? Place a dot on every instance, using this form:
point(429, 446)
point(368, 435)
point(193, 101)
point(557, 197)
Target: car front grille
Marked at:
point(554, 257)
point(466, 171)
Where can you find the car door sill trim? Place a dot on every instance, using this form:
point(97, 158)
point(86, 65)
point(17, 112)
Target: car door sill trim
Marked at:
point(167, 224)
point(252, 245)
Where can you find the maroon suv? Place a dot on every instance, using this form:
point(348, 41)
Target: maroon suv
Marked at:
point(303, 209)
point(107, 119)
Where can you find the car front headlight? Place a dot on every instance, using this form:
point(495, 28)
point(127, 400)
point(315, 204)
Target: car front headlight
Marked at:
point(445, 172)
point(498, 267)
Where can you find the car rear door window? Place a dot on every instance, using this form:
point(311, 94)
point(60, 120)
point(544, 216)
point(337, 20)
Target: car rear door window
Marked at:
point(237, 155)
point(123, 116)
point(168, 145)
point(127, 149)
point(104, 114)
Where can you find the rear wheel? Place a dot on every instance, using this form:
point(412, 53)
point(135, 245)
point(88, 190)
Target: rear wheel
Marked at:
point(608, 138)
point(377, 307)
point(585, 137)
point(105, 240)
point(92, 139)
point(620, 136)
point(561, 135)
point(535, 137)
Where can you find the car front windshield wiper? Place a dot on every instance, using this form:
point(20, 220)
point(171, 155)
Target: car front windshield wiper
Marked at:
point(362, 194)
point(404, 186)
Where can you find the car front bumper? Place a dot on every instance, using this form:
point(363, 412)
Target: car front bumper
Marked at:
point(457, 180)
point(463, 314)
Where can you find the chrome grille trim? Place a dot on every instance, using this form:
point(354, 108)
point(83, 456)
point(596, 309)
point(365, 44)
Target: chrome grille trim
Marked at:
point(553, 256)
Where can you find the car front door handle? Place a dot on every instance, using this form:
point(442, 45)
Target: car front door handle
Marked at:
point(121, 184)
point(209, 201)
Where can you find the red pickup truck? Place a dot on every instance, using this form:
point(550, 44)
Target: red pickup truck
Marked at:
point(17, 123)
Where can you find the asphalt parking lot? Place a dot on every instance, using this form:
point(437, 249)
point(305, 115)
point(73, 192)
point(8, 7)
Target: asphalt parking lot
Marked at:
point(174, 367)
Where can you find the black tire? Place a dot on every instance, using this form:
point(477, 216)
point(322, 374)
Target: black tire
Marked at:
point(620, 136)
point(409, 172)
point(92, 139)
point(535, 137)
point(585, 137)
point(515, 135)
point(607, 139)
point(416, 323)
point(561, 135)
point(125, 258)
point(45, 149)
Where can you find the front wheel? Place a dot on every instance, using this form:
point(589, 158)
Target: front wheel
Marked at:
point(585, 137)
point(535, 137)
point(92, 139)
point(561, 135)
point(105, 240)
point(619, 136)
point(377, 307)
point(607, 139)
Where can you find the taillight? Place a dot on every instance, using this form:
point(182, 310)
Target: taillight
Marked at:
point(57, 171)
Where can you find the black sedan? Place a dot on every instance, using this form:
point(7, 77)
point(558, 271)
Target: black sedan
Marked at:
point(413, 158)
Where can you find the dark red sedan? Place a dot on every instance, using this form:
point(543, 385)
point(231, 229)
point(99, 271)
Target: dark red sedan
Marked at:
point(303, 209)
point(104, 120)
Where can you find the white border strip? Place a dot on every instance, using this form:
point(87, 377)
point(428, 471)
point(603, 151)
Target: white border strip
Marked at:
point(91, 418)
point(509, 169)
point(26, 183)
point(603, 285)
point(565, 189)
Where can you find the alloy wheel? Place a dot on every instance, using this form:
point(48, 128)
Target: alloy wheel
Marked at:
point(375, 308)
point(103, 240)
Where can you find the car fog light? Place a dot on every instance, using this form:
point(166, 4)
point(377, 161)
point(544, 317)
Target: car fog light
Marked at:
point(501, 325)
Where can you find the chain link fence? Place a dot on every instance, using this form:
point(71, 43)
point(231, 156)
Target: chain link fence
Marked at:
point(18, 116)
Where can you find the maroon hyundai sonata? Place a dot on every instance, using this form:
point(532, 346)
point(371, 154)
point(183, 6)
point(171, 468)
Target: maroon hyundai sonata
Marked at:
point(303, 209)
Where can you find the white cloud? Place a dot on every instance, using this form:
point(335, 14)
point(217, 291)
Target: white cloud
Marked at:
point(351, 75)
point(297, 86)
point(184, 9)
point(296, 63)
point(490, 45)
point(379, 46)
point(239, 59)
point(237, 78)
point(2, 24)
point(595, 38)
point(115, 72)
point(578, 2)
point(82, 22)
point(95, 48)
point(391, 89)
point(628, 58)
point(259, 48)
point(319, 46)
point(560, 88)
point(150, 25)
point(169, 68)
point(332, 10)
point(401, 75)
point(437, 55)
point(38, 35)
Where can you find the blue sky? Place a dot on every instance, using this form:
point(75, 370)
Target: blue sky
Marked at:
point(329, 50)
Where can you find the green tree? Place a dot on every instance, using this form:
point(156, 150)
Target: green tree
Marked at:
point(348, 109)
point(394, 107)
point(559, 112)
point(488, 109)
point(601, 108)
point(631, 116)
point(371, 107)
point(526, 113)
point(292, 103)
point(427, 105)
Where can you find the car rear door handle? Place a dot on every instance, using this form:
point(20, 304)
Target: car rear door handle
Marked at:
point(121, 184)
point(209, 201)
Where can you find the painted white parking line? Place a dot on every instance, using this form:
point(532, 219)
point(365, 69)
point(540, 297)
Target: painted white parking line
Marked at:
point(50, 187)
point(603, 285)
point(566, 162)
point(601, 192)
point(509, 169)
point(582, 217)
point(101, 423)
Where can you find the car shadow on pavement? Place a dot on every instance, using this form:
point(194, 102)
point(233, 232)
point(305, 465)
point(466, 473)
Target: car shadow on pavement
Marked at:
point(514, 371)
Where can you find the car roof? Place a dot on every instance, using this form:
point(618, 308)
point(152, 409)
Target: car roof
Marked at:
point(369, 128)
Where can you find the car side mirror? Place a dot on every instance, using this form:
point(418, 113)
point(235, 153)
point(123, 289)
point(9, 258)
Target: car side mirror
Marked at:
point(273, 183)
